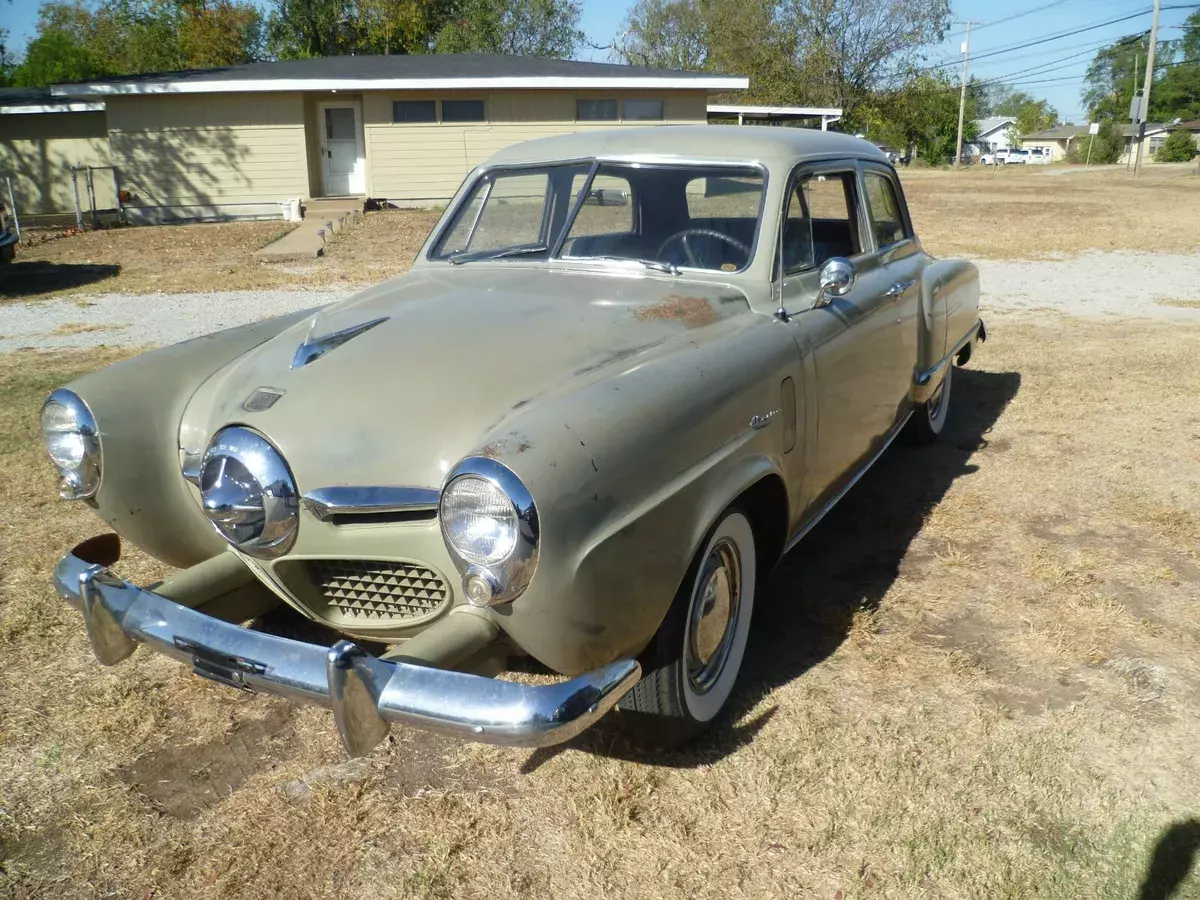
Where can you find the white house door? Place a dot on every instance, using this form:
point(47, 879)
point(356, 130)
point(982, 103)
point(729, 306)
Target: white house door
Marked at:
point(343, 165)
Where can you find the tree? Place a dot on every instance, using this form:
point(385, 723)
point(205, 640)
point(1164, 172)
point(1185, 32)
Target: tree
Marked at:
point(1106, 146)
point(77, 41)
point(1109, 80)
point(515, 27)
point(6, 62)
point(299, 29)
point(819, 52)
point(1176, 93)
point(922, 115)
point(54, 57)
point(1178, 147)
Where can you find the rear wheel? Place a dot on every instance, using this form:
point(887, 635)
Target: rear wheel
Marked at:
point(693, 662)
point(929, 418)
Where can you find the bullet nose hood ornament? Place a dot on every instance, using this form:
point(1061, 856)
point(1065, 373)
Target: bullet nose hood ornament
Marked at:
point(314, 348)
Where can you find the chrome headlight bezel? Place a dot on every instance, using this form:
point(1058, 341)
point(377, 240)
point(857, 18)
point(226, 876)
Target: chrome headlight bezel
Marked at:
point(488, 582)
point(81, 480)
point(248, 493)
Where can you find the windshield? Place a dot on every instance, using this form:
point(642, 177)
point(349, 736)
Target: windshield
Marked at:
point(662, 216)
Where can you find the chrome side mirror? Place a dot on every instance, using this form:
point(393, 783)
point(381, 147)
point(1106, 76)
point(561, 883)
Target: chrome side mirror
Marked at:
point(836, 279)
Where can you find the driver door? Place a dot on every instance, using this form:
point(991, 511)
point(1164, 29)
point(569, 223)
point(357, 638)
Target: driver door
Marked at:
point(852, 341)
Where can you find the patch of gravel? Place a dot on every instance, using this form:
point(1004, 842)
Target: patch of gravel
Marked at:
point(1097, 285)
point(139, 319)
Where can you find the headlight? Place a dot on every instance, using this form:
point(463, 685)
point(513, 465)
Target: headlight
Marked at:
point(73, 442)
point(490, 526)
point(248, 493)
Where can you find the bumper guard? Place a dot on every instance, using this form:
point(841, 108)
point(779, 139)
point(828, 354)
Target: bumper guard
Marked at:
point(365, 693)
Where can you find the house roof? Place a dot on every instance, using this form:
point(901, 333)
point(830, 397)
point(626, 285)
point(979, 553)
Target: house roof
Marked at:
point(23, 101)
point(435, 71)
point(1059, 132)
point(993, 123)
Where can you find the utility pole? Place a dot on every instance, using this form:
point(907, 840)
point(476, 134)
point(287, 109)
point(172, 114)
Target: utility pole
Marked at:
point(1141, 129)
point(1137, 116)
point(962, 97)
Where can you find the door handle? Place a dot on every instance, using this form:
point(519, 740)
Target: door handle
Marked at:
point(899, 288)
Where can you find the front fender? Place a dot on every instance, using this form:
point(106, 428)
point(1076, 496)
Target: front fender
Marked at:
point(138, 404)
point(629, 473)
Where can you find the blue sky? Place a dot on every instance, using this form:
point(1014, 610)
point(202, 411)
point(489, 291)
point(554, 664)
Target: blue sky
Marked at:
point(1058, 82)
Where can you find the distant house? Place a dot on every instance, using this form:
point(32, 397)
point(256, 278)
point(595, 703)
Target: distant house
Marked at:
point(240, 140)
point(1057, 140)
point(993, 134)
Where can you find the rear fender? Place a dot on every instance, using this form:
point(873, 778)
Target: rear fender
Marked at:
point(949, 310)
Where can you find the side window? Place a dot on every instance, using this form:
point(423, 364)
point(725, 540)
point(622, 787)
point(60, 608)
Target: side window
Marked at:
point(884, 210)
point(821, 222)
point(607, 209)
point(724, 197)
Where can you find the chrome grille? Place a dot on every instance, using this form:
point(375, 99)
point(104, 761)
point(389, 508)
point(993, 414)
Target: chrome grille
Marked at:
point(377, 590)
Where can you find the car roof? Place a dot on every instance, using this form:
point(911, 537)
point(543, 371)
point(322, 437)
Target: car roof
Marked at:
point(772, 145)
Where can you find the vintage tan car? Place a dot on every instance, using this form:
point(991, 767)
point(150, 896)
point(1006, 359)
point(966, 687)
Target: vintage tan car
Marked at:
point(627, 371)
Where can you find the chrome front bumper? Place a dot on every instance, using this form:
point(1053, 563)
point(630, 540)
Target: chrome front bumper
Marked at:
point(365, 693)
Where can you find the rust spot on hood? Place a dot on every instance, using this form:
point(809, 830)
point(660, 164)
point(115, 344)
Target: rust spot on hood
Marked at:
point(693, 312)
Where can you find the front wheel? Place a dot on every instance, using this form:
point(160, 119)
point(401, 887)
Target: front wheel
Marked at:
point(929, 418)
point(693, 661)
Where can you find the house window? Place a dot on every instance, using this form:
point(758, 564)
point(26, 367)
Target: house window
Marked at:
point(596, 110)
point(643, 110)
point(414, 111)
point(462, 111)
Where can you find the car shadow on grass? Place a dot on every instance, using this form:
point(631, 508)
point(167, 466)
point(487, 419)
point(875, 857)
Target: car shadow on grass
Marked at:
point(805, 608)
point(1172, 860)
point(19, 280)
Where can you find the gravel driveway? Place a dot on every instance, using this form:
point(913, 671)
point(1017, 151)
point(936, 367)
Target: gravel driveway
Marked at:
point(1094, 285)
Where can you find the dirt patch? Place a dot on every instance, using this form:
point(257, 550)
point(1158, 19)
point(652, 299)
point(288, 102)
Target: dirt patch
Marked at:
point(81, 328)
point(185, 780)
point(693, 312)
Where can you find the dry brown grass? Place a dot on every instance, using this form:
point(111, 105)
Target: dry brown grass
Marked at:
point(213, 257)
point(1019, 213)
point(1005, 213)
point(978, 677)
point(1177, 302)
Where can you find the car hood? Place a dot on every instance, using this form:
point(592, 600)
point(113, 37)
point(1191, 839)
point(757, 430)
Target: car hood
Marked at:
point(459, 352)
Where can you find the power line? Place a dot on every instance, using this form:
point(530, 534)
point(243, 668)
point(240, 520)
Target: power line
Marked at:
point(1045, 39)
point(1022, 15)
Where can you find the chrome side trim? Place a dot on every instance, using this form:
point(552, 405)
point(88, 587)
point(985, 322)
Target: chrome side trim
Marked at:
point(364, 692)
point(351, 500)
point(312, 350)
point(812, 523)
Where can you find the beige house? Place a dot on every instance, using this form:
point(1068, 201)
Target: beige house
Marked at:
point(243, 140)
point(1057, 140)
point(42, 138)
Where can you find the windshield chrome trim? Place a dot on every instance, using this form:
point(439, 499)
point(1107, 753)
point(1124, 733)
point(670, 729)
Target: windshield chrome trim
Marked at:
point(555, 250)
point(363, 500)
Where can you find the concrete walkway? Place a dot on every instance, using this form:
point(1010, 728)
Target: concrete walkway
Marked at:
point(322, 220)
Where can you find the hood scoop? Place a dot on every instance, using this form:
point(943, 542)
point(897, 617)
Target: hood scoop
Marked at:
point(314, 348)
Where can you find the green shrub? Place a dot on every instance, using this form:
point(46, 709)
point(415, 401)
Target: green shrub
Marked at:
point(1106, 146)
point(1178, 147)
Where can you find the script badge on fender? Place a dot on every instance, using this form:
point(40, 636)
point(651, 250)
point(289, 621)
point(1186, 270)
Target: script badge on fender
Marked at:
point(262, 399)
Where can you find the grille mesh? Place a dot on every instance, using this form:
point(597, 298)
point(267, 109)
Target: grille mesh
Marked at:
point(375, 590)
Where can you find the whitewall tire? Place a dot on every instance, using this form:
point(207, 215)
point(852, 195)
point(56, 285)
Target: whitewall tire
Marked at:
point(692, 664)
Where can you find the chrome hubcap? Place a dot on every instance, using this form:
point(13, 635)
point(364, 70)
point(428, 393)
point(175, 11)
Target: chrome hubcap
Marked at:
point(713, 616)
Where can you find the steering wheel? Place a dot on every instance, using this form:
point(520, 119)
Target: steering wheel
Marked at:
point(682, 237)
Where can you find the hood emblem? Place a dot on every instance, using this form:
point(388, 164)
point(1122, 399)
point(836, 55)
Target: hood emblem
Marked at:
point(262, 399)
point(314, 348)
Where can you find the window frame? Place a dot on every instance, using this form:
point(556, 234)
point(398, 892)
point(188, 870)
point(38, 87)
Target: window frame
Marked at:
point(889, 175)
point(616, 101)
point(851, 167)
point(436, 112)
point(483, 113)
point(662, 109)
